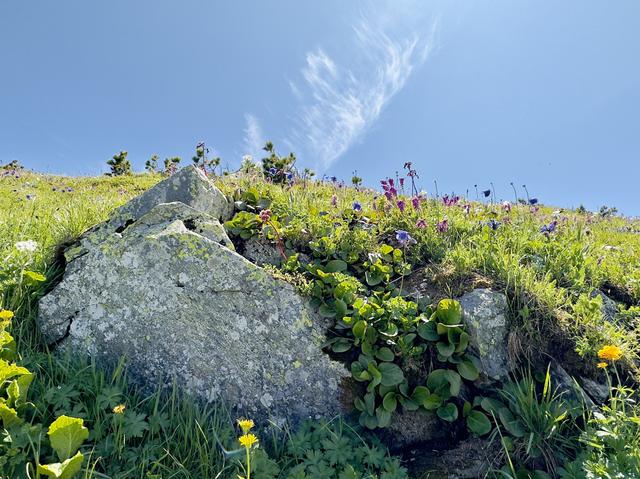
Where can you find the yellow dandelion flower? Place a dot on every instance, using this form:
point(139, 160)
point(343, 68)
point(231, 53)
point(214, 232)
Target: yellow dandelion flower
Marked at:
point(610, 353)
point(602, 365)
point(245, 424)
point(248, 440)
point(119, 409)
point(5, 314)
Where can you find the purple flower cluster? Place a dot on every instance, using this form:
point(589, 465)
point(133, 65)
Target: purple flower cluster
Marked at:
point(388, 186)
point(548, 229)
point(450, 200)
point(443, 226)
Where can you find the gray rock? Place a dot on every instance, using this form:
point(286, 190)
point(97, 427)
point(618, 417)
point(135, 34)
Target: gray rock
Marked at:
point(599, 392)
point(412, 427)
point(609, 307)
point(261, 251)
point(567, 386)
point(169, 295)
point(485, 318)
point(469, 459)
point(189, 186)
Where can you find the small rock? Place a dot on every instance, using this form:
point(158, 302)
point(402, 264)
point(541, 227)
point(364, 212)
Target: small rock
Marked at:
point(485, 319)
point(411, 427)
point(469, 459)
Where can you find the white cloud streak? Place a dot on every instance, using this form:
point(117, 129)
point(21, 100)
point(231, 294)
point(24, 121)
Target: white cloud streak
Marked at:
point(339, 104)
point(254, 138)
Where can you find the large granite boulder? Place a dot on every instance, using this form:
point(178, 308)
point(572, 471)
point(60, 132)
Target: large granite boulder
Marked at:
point(485, 319)
point(166, 291)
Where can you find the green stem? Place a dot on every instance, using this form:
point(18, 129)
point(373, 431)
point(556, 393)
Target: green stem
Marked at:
point(248, 464)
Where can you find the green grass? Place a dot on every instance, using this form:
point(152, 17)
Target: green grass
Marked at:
point(549, 282)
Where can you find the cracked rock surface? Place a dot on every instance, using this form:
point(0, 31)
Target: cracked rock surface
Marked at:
point(165, 290)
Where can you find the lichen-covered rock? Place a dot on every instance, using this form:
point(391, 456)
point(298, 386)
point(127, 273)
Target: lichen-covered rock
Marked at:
point(168, 294)
point(485, 318)
point(261, 251)
point(189, 187)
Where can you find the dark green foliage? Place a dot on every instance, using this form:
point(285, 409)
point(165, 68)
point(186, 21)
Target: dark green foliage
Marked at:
point(331, 450)
point(202, 161)
point(119, 164)
point(277, 168)
point(171, 165)
point(151, 165)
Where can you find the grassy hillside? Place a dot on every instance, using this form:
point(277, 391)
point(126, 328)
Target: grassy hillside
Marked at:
point(550, 263)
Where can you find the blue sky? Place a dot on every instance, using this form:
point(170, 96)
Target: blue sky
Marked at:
point(542, 93)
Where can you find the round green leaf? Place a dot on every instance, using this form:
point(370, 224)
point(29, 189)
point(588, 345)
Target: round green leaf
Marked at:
point(335, 266)
point(420, 394)
point(478, 423)
point(468, 370)
point(359, 328)
point(428, 331)
point(445, 349)
point(385, 354)
point(448, 412)
point(391, 374)
point(341, 346)
point(449, 311)
point(383, 416)
point(432, 402)
point(390, 402)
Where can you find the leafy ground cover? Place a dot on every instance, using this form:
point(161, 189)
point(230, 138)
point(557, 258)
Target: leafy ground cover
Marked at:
point(351, 249)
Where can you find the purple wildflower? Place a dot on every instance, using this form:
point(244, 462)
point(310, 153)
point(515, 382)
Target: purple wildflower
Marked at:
point(533, 201)
point(401, 205)
point(404, 238)
point(443, 226)
point(493, 224)
point(506, 206)
point(450, 201)
point(334, 201)
point(356, 206)
point(421, 223)
point(273, 171)
point(415, 201)
point(548, 229)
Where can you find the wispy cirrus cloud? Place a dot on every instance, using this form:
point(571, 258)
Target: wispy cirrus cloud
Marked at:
point(254, 138)
point(340, 103)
